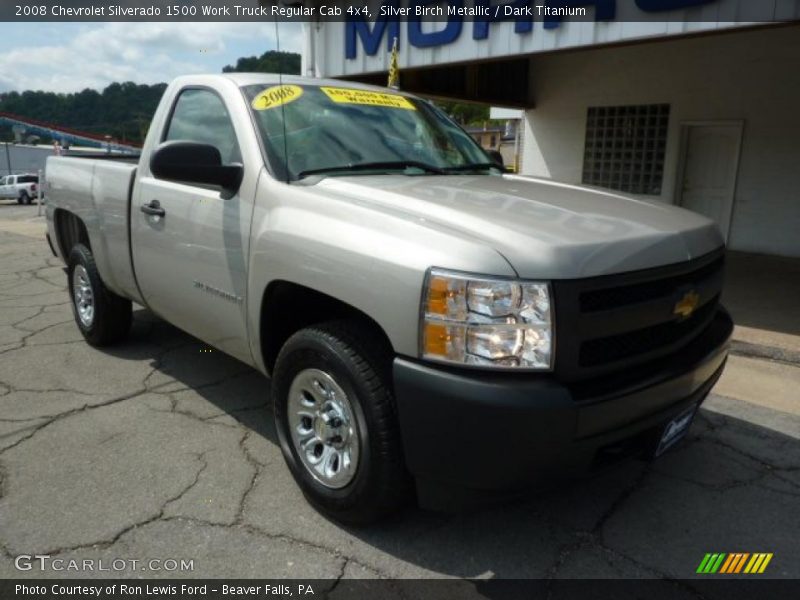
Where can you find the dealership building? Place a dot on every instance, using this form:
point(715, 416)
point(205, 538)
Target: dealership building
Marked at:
point(688, 102)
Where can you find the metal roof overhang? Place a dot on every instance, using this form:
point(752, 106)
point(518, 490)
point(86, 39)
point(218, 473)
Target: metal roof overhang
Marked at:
point(499, 82)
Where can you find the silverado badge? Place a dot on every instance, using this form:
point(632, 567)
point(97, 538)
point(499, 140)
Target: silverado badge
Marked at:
point(687, 304)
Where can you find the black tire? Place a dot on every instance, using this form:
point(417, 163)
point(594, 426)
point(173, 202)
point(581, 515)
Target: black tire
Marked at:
point(112, 314)
point(357, 359)
point(24, 198)
point(20, 200)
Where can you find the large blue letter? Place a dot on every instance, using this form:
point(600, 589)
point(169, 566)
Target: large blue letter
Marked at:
point(480, 29)
point(659, 5)
point(370, 39)
point(604, 10)
point(416, 37)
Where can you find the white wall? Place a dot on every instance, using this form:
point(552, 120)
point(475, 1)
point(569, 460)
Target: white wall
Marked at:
point(24, 159)
point(751, 75)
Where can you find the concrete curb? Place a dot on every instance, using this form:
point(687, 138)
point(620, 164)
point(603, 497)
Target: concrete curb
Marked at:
point(750, 350)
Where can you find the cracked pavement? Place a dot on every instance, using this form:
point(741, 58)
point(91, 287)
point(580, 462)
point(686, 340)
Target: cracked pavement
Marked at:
point(154, 449)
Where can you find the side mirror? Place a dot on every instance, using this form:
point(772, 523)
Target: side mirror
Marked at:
point(192, 162)
point(496, 158)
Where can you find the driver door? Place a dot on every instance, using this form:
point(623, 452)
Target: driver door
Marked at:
point(191, 263)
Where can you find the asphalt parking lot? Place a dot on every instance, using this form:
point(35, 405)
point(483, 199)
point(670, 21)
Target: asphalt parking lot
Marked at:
point(161, 449)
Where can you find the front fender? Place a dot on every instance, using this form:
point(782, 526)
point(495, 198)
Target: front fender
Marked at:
point(358, 253)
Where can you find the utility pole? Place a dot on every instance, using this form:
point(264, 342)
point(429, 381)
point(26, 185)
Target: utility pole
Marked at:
point(8, 159)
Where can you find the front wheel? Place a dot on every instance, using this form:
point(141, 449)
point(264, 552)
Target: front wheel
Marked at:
point(336, 421)
point(101, 315)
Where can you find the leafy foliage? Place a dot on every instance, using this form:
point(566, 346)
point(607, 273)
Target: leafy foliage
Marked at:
point(122, 110)
point(465, 113)
point(272, 61)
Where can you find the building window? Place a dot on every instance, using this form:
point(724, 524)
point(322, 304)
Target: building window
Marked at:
point(625, 147)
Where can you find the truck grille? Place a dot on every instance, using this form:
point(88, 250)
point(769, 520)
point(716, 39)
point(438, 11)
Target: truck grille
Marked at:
point(614, 297)
point(611, 323)
point(616, 347)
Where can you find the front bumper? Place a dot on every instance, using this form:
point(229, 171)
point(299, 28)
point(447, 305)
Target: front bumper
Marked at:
point(502, 431)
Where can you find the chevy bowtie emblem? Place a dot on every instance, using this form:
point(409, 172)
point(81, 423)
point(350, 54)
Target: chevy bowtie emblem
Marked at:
point(687, 304)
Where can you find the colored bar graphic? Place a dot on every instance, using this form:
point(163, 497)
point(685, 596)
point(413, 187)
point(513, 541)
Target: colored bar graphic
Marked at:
point(715, 567)
point(730, 566)
point(727, 564)
point(740, 564)
point(703, 563)
point(709, 564)
point(754, 562)
point(734, 563)
point(765, 563)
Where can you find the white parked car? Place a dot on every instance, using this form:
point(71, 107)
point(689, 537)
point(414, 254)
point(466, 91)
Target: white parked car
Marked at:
point(22, 188)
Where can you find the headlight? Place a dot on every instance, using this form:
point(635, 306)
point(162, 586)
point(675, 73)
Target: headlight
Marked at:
point(486, 322)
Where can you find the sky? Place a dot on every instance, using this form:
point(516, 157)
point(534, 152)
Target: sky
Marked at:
point(68, 57)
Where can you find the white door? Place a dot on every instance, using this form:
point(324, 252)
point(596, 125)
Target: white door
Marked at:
point(7, 188)
point(711, 163)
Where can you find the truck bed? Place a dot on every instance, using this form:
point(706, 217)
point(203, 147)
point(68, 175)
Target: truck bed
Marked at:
point(98, 190)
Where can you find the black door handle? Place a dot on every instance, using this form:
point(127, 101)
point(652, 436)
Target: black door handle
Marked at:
point(153, 208)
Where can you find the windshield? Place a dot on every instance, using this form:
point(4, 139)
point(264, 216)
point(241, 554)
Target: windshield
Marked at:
point(340, 130)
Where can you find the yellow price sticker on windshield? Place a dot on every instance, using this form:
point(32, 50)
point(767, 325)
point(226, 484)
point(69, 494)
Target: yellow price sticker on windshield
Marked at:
point(351, 96)
point(277, 95)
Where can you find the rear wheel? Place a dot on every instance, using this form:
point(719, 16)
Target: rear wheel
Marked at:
point(101, 315)
point(24, 198)
point(336, 421)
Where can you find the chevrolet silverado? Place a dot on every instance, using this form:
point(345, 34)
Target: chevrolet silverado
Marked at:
point(430, 324)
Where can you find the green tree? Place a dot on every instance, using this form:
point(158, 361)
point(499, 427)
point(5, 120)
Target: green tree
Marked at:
point(122, 110)
point(466, 113)
point(271, 61)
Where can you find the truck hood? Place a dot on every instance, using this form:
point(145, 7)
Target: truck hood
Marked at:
point(543, 229)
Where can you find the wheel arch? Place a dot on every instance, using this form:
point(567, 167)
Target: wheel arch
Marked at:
point(69, 230)
point(287, 307)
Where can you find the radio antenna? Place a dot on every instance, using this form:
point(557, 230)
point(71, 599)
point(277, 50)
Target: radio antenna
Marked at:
point(283, 104)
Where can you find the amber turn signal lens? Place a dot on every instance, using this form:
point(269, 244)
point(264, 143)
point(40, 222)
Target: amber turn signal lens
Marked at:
point(436, 338)
point(438, 293)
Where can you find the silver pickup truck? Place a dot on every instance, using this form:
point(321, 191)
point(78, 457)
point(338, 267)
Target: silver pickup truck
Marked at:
point(431, 325)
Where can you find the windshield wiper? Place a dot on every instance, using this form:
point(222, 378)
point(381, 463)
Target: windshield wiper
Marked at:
point(473, 167)
point(375, 166)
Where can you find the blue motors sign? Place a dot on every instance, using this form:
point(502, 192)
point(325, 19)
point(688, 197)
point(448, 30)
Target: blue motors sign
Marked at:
point(386, 26)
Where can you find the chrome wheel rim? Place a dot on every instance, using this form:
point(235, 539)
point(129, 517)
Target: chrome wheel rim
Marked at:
point(323, 428)
point(83, 295)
